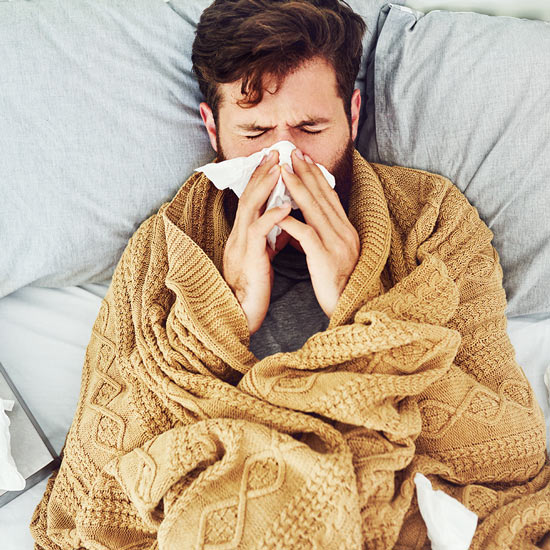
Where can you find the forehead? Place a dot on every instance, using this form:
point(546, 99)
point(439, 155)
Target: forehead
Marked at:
point(310, 90)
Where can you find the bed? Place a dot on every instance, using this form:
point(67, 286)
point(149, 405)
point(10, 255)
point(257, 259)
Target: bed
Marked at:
point(457, 88)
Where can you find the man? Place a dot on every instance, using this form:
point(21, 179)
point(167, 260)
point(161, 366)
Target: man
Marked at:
point(321, 121)
point(238, 397)
point(317, 123)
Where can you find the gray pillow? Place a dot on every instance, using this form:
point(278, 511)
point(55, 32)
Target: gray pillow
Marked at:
point(467, 96)
point(99, 125)
point(369, 11)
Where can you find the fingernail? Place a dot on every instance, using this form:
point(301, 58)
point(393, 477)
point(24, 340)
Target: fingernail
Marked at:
point(271, 155)
point(274, 168)
point(299, 154)
point(287, 168)
point(264, 158)
point(308, 159)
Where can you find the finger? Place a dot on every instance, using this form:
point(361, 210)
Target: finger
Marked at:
point(251, 204)
point(267, 163)
point(317, 213)
point(257, 232)
point(315, 181)
point(305, 234)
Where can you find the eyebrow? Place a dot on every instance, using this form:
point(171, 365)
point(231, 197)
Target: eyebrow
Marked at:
point(311, 121)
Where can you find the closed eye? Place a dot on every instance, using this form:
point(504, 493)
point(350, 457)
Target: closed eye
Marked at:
point(305, 131)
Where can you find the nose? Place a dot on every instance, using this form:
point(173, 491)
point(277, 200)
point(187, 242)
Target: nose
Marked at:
point(293, 137)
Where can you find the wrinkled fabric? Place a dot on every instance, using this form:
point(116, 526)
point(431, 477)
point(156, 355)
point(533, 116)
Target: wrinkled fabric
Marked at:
point(183, 439)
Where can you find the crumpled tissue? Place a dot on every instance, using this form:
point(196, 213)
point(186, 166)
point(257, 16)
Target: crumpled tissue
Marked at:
point(451, 526)
point(10, 478)
point(235, 174)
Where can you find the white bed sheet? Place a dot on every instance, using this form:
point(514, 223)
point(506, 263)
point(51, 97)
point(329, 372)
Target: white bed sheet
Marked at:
point(43, 337)
point(44, 333)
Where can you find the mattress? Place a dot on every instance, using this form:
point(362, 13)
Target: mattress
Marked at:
point(43, 337)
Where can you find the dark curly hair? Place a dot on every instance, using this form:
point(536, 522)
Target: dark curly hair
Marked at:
point(245, 39)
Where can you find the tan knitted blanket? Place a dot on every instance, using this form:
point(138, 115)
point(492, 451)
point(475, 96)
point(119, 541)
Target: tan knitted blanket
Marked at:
point(182, 439)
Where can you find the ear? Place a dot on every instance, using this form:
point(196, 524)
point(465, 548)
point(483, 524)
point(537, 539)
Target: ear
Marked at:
point(355, 108)
point(208, 119)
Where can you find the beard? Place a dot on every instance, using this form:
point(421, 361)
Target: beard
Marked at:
point(342, 170)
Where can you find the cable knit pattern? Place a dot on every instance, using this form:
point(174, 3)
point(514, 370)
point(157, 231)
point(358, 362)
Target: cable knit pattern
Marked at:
point(183, 439)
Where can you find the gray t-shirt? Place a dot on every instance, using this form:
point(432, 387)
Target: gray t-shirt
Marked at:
point(294, 313)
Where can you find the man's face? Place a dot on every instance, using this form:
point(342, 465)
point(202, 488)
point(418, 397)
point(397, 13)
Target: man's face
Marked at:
point(306, 110)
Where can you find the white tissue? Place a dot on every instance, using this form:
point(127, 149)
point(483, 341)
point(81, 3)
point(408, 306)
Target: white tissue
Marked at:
point(451, 526)
point(235, 175)
point(10, 478)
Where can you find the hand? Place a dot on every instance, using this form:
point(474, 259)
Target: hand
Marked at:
point(328, 238)
point(247, 256)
